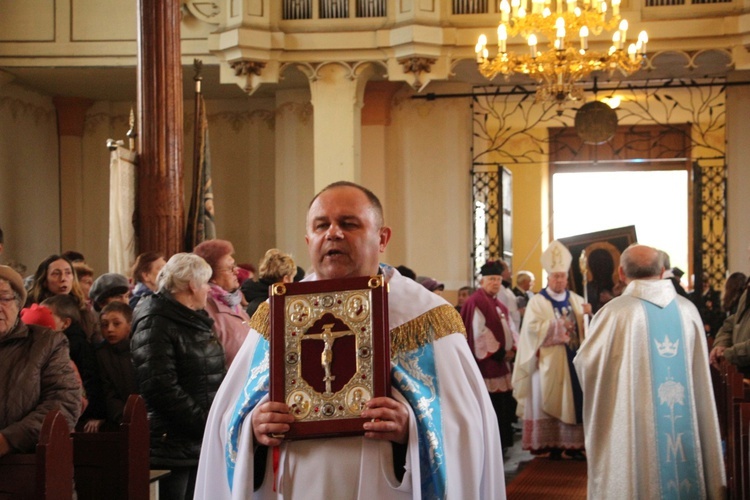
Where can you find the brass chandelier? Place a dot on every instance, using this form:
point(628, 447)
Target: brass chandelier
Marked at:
point(559, 69)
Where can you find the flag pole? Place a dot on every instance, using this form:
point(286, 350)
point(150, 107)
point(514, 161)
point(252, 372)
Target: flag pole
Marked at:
point(191, 236)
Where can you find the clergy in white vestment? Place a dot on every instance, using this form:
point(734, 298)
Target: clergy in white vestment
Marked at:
point(435, 437)
point(545, 384)
point(649, 415)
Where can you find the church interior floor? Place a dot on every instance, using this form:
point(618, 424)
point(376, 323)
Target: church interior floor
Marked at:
point(530, 477)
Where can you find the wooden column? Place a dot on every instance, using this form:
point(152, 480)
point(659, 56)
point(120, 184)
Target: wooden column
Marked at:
point(161, 214)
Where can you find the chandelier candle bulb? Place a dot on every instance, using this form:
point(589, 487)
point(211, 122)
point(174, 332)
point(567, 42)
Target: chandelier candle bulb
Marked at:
point(560, 23)
point(643, 39)
point(505, 11)
point(623, 32)
point(532, 45)
point(514, 6)
point(584, 33)
point(615, 8)
point(502, 38)
point(632, 52)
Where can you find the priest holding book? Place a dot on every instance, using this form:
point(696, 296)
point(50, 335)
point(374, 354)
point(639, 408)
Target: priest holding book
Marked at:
point(434, 436)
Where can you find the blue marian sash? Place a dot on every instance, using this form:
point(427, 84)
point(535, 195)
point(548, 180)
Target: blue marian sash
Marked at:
point(673, 413)
point(415, 377)
point(256, 387)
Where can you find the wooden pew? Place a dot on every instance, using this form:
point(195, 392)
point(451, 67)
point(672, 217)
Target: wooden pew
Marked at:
point(115, 465)
point(737, 410)
point(46, 474)
point(742, 471)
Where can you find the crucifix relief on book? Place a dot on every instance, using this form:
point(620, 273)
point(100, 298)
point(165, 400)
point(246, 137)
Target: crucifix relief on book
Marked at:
point(329, 352)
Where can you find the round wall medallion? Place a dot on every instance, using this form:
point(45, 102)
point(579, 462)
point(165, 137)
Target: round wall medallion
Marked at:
point(596, 122)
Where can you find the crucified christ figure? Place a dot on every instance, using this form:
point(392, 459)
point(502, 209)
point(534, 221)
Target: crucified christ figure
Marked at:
point(326, 358)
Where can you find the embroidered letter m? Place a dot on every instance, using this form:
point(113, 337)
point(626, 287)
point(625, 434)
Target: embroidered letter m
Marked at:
point(674, 448)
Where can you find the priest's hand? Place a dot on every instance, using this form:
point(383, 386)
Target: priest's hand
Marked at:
point(390, 420)
point(270, 421)
point(587, 308)
point(717, 353)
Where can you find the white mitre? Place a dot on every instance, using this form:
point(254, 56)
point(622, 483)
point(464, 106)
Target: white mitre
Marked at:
point(557, 258)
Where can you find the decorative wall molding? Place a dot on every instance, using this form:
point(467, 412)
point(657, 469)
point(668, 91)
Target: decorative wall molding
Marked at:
point(247, 68)
point(208, 12)
point(417, 66)
point(20, 108)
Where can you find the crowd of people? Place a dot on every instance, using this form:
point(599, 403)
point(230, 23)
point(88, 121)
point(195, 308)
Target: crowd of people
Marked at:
point(190, 334)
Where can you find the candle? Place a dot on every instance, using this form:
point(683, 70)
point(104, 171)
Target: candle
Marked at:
point(504, 11)
point(615, 7)
point(616, 40)
point(584, 34)
point(502, 37)
point(532, 45)
point(514, 5)
point(623, 31)
point(643, 40)
point(481, 42)
point(560, 25)
point(631, 52)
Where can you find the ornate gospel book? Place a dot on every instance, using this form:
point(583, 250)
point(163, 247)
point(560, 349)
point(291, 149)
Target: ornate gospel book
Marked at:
point(330, 352)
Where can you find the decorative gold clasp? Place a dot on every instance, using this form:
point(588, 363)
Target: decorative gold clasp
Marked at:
point(278, 289)
point(375, 281)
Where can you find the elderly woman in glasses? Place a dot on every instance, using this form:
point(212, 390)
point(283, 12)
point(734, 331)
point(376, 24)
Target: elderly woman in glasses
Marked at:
point(224, 304)
point(36, 375)
point(179, 365)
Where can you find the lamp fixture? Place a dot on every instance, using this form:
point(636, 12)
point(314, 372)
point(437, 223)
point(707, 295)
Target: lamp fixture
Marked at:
point(559, 69)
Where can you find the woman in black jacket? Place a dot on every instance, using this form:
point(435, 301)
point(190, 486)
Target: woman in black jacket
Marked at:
point(179, 365)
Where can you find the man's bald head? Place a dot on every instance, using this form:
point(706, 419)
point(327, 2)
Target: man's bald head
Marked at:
point(374, 201)
point(640, 262)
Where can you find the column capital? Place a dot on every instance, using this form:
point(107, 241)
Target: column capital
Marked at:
point(71, 114)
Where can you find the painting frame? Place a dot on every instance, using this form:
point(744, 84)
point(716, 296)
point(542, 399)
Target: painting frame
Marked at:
point(612, 241)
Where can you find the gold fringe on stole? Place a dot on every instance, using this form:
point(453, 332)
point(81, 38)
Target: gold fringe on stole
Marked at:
point(429, 327)
point(261, 320)
point(432, 325)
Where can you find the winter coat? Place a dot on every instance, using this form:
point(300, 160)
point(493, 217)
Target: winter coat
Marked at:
point(36, 376)
point(255, 292)
point(118, 377)
point(179, 365)
point(231, 326)
point(82, 354)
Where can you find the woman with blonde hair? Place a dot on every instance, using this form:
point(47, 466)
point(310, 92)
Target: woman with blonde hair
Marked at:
point(276, 266)
point(179, 365)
